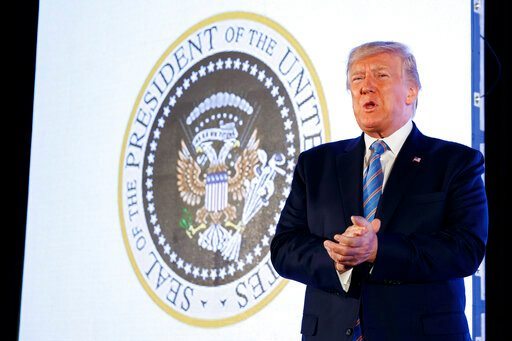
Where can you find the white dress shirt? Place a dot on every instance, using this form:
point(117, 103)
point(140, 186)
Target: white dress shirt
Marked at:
point(395, 142)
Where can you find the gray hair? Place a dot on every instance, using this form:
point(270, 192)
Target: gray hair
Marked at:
point(376, 47)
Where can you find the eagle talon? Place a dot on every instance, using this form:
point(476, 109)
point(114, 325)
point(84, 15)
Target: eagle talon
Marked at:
point(236, 227)
point(191, 231)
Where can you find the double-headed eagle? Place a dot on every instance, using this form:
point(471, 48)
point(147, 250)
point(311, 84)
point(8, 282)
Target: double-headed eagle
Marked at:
point(215, 187)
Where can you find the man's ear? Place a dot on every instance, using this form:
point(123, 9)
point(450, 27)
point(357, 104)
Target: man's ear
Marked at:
point(412, 93)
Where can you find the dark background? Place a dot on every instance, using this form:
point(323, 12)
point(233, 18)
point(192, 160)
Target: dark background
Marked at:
point(21, 52)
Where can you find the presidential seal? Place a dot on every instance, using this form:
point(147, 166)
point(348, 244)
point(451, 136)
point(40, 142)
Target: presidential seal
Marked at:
point(207, 163)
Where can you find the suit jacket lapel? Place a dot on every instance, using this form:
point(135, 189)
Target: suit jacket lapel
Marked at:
point(407, 163)
point(349, 166)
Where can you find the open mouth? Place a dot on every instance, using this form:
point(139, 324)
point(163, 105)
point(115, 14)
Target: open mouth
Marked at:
point(369, 105)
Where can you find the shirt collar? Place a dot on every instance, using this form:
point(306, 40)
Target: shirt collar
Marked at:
point(394, 141)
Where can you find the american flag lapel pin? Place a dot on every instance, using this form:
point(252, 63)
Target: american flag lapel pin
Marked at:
point(416, 159)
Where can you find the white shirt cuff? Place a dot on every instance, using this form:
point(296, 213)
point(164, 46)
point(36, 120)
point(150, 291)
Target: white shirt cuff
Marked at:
point(345, 278)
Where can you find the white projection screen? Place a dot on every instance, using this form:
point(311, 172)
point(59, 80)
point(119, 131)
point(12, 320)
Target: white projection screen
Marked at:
point(134, 102)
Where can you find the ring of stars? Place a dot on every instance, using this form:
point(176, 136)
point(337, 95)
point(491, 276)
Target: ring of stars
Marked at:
point(201, 71)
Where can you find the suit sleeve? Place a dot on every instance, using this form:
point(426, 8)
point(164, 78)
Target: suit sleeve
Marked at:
point(296, 253)
point(456, 247)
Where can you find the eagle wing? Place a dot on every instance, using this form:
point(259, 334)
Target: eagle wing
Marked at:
point(244, 167)
point(190, 185)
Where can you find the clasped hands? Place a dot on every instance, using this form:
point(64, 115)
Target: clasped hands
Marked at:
point(356, 245)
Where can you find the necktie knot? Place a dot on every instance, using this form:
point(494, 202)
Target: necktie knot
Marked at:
point(379, 147)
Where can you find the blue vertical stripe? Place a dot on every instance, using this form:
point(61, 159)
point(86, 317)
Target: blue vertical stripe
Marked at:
point(477, 142)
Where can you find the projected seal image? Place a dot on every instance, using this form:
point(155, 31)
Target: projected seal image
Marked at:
point(207, 163)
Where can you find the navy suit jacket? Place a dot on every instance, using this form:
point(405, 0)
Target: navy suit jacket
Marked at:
point(433, 234)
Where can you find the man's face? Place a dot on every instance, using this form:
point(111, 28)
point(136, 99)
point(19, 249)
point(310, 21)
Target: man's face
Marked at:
point(382, 97)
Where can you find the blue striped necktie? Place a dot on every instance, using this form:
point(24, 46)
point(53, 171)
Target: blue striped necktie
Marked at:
point(372, 190)
point(372, 183)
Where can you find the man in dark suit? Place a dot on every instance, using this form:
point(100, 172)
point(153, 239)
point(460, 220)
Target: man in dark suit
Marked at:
point(389, 264)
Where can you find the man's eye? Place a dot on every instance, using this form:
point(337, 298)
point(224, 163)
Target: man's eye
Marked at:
point(383, 75)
